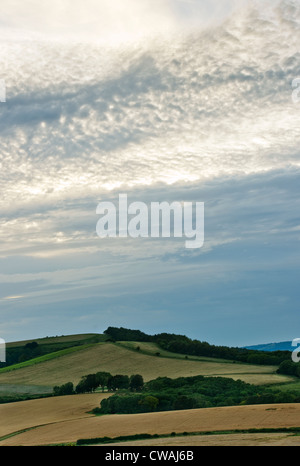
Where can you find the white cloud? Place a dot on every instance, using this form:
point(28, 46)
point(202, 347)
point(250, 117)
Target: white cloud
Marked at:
point(215, 104)
point(104, 20)
point(82, 122)
point(111, 21)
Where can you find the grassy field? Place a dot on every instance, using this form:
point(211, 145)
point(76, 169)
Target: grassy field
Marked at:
point(71, 364)
point(66, 420)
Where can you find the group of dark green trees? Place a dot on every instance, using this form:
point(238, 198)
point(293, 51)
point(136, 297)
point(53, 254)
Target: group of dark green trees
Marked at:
point(184, 345)
point(165, 394)
point(21, 353)
point(289, 367)
point(89, 383)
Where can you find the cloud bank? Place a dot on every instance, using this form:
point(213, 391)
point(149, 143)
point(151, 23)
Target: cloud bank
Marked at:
point(206, 116)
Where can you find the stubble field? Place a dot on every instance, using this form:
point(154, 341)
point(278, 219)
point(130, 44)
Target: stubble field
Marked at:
point(67, 419)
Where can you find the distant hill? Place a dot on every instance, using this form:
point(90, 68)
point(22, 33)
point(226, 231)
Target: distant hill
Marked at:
point(281, 346)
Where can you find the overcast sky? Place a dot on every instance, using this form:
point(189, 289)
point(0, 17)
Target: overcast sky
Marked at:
point(110, 21)
point(163, 100)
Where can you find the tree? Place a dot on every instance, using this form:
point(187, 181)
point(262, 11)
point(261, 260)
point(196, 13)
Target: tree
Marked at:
point(118, 381)
point(88, 383)
point(65, 389)
point(102, 379)
point(31, 346)
point(149, 402)
point(91, 382)
point(288, 367)
point(184, 402)
point(80, 387)
point(136, 382)
point(125, 334)
point(56, 390)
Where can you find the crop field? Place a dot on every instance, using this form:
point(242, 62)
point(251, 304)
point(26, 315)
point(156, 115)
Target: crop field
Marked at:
point(24, 415)
point(67, 419)
point(70, 366)
point(242, 439)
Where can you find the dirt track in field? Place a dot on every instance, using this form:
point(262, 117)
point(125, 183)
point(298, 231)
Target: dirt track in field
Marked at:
point(69, 422)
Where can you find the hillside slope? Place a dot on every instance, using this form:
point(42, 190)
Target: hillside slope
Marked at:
point(118, 359)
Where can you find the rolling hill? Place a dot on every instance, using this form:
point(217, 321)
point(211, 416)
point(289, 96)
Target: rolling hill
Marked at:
point(64, 419)
point(69, 365)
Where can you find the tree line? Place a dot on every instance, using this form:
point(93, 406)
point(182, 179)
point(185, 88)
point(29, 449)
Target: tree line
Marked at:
point(165, 394)
point(104, 380)
point(289, 367)
point(184, 345)
point(22, 353)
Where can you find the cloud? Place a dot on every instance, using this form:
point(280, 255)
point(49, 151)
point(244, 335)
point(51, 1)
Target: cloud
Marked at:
point(250, 227)
point(215, 104)
point(206, 117)
point(106, 20)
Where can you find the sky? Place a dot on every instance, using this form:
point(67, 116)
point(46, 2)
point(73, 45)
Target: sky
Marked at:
point(164, 100)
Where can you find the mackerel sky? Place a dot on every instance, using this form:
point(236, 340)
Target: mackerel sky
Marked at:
point(163, 100)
